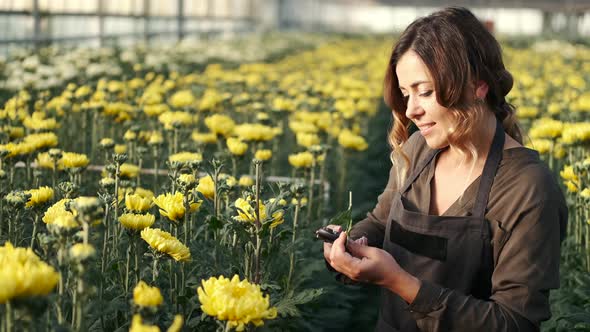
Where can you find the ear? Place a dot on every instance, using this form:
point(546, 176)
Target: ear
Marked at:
point(482, 90)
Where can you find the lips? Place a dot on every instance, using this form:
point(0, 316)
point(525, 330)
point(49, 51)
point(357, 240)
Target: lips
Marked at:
point(426, 128)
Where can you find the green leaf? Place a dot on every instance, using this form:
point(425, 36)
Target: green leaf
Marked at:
point(288, 305)
point(343, 218)
point(214, 223)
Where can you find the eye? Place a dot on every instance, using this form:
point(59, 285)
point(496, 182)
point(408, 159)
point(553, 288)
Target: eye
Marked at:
point(426, 94)
point(405, 98)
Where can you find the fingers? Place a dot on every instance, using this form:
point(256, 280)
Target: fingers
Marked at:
point(363, 241)
point(327, 250)
point(336, 228)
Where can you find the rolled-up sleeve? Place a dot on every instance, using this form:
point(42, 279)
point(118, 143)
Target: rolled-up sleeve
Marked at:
point(526, 269)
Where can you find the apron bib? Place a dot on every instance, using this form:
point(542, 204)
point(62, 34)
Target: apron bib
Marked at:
point(451, 251)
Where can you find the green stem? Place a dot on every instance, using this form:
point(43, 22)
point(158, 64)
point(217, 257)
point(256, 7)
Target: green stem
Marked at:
point(115, 233)
point(8, 317)
point(155, 269)
point(15, 228)
point(293, 238)
point(136, 268)
point(127, 269)
point(105, 239)
point(139, 164)
point(60, 299)
point(1, 215)
point(258, 227)
point(156, 169)
point(175, 140)
point(80, 305)
point(310, 194)
point(321, 194)
point(35, 222)
point(28, 168)
point(85, 228)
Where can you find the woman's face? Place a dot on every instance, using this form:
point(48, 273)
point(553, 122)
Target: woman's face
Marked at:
point(434, 121)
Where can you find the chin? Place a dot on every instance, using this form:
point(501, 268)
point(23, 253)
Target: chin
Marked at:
point(435, 143)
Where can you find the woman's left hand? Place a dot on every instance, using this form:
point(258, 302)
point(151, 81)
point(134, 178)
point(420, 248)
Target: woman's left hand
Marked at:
point(372, 265)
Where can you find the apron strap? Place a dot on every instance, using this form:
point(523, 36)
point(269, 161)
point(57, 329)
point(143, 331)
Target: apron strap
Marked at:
point(489, 171)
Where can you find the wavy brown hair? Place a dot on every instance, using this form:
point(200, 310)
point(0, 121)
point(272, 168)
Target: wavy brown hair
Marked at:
point(458, 51)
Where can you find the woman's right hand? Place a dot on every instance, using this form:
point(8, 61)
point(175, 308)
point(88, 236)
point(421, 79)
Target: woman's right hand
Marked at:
point(328, 246)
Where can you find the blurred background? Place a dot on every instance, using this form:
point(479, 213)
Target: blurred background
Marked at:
point(102, 22)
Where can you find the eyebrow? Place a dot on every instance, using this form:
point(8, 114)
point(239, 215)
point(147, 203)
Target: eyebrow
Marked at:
point(415, 84)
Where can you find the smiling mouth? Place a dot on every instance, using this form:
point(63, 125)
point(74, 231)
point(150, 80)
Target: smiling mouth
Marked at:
point(425, 128)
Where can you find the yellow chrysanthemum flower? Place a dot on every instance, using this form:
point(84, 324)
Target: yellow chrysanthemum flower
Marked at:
point(204, 138)
point(64, 221)
point(129, 170)
point(145, 193)
point(186, 179)
point(237, 302)
point(571, 187)
point(278, 217)
point(236, 146)
point(542, 145)
point(246, 181)
point(349, 140)
point(568, 174)
point(146, 296)
point(137, 203)
point(129, 135)
point(24, 274)
point(263, 154)
point(186, 157)
point(246, 211)
point(137, 222)
point(307, 139)
point(43, 160)
point(39, 196)
point(302, 159)
point(164, 242)
point(74, 160)
point(106, 143)
point(138, 326)
point(220, 124)
point(81, 251)
point(182, 98)
point(56, 210)
point(254, 132)
point(171, 205)
point(41, 140)
point(206, 187)
point(176, 325)
point(155, 138)
point(120, 148)
point(170, 119)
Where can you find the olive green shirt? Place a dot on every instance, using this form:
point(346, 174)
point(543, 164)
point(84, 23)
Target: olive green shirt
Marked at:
point(527, 214)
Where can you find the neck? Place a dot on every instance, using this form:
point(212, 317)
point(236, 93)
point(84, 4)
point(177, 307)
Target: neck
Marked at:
point(482, 140)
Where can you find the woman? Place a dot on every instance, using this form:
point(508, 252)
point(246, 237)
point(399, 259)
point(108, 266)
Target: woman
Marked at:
point(467, 234)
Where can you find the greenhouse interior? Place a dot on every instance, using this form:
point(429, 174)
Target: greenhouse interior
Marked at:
point(235, 165)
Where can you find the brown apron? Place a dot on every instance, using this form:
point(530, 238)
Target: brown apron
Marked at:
point(453, 252)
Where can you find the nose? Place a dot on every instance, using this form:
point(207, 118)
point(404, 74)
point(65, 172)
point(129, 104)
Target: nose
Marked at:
point(413, 109)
